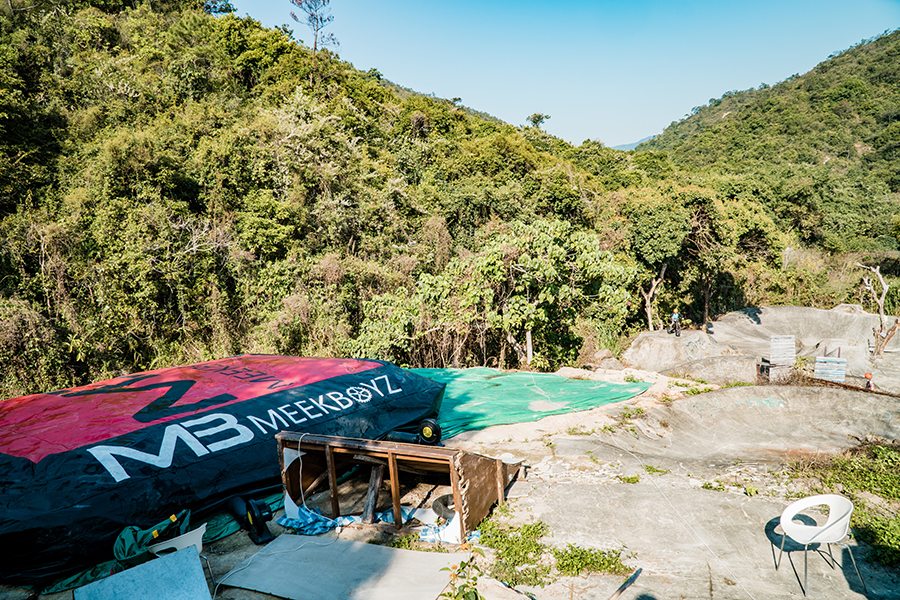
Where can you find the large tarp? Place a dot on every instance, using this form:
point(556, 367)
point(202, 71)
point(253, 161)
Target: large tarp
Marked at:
point(481, 397)
point(78, 465)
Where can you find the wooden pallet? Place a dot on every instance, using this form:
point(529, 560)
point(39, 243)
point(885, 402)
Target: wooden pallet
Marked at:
point(478, 482)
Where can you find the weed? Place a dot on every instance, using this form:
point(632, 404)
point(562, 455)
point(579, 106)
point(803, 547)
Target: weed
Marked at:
point(579, 431)
point(574, 560)
point(593, 458)
point(714, 486)
point(631, 413)
point(518, 552)
point(629, 478)
point(733, 384)
point(695, 391)
point(410, 541)
point(750, 490)
point(632, 379)
point(654, 470)
point(464, 579)
point(404, 542)
point(666, 400)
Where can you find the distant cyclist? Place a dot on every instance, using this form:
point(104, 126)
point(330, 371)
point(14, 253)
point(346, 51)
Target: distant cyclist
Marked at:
point(675, 323)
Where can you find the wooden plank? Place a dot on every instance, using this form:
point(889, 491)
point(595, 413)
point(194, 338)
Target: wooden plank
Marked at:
point(501, 481)
point(478, 488)
point(332, 482)
point(360, 444)
point(395, 490)
point(782, 350)
point(831, 369)
point(375, 479)
point(318, 480)
point(458, 499)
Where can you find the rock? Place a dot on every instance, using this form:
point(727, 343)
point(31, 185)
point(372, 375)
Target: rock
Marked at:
point(610, 364)
point(601, 355)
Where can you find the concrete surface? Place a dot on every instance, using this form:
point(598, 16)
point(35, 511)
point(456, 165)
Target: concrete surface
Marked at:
point(693, 542)
point(747, 333)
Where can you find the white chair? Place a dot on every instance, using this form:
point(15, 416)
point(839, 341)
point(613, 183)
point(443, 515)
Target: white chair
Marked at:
point(191, 538)
point(834, 531)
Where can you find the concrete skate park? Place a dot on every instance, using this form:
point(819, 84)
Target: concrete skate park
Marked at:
point(693, 542)
point(690, 477)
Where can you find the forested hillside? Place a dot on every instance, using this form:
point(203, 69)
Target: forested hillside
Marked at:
point(828, 141)
point(177, 186)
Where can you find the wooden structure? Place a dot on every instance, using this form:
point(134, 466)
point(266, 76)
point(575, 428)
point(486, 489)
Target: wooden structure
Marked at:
point(478, 482)
point(831, 369)
point(782, 356)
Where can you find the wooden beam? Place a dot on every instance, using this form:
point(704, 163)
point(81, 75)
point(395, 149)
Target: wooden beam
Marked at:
point(395, 489)
point(501, 482)
point(458, 501)
point(375, 479)
point(332, 482)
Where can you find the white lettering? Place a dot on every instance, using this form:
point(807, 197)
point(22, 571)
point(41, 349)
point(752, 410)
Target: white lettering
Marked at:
point(273, 416)
point(291, 414)
point(391, 390)
point(173, 433)
point(299, 404)
point(229, 423)
point(372, 386)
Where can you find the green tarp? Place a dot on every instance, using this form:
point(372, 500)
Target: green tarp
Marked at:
point(481, 397)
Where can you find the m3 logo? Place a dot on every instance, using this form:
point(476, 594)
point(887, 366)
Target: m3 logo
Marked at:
point(187, 432)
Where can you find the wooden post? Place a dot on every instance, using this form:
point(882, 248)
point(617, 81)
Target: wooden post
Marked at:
point(395, 489)
point(375, 479)
point(501, 482)
point(457, 500)
point(332, 481)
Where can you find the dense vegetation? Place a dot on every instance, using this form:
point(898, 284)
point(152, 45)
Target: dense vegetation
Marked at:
point(826, 144)
point(177, 186)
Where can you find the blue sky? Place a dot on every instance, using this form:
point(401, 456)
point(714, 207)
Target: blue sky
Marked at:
point(612, 71)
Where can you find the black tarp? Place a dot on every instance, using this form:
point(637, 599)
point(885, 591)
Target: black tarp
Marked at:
point(78, 465)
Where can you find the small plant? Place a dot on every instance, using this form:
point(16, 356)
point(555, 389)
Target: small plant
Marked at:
point(579, 431)
point(632, 379)
point(410, 541)
point(654, 470)
point(750, 490)
point(733, 384)
point(464, 579)
point(404, 542)
point(631, 413)
point(518, 552)
point(593, 458)
point(574, 560)
point(696, 390)
point(714, 486)
point(629, 478)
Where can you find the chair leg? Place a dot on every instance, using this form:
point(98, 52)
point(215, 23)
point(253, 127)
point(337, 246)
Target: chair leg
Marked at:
point(805, 561)
point(781, 551)
point(853, 560)
point(833, 562)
